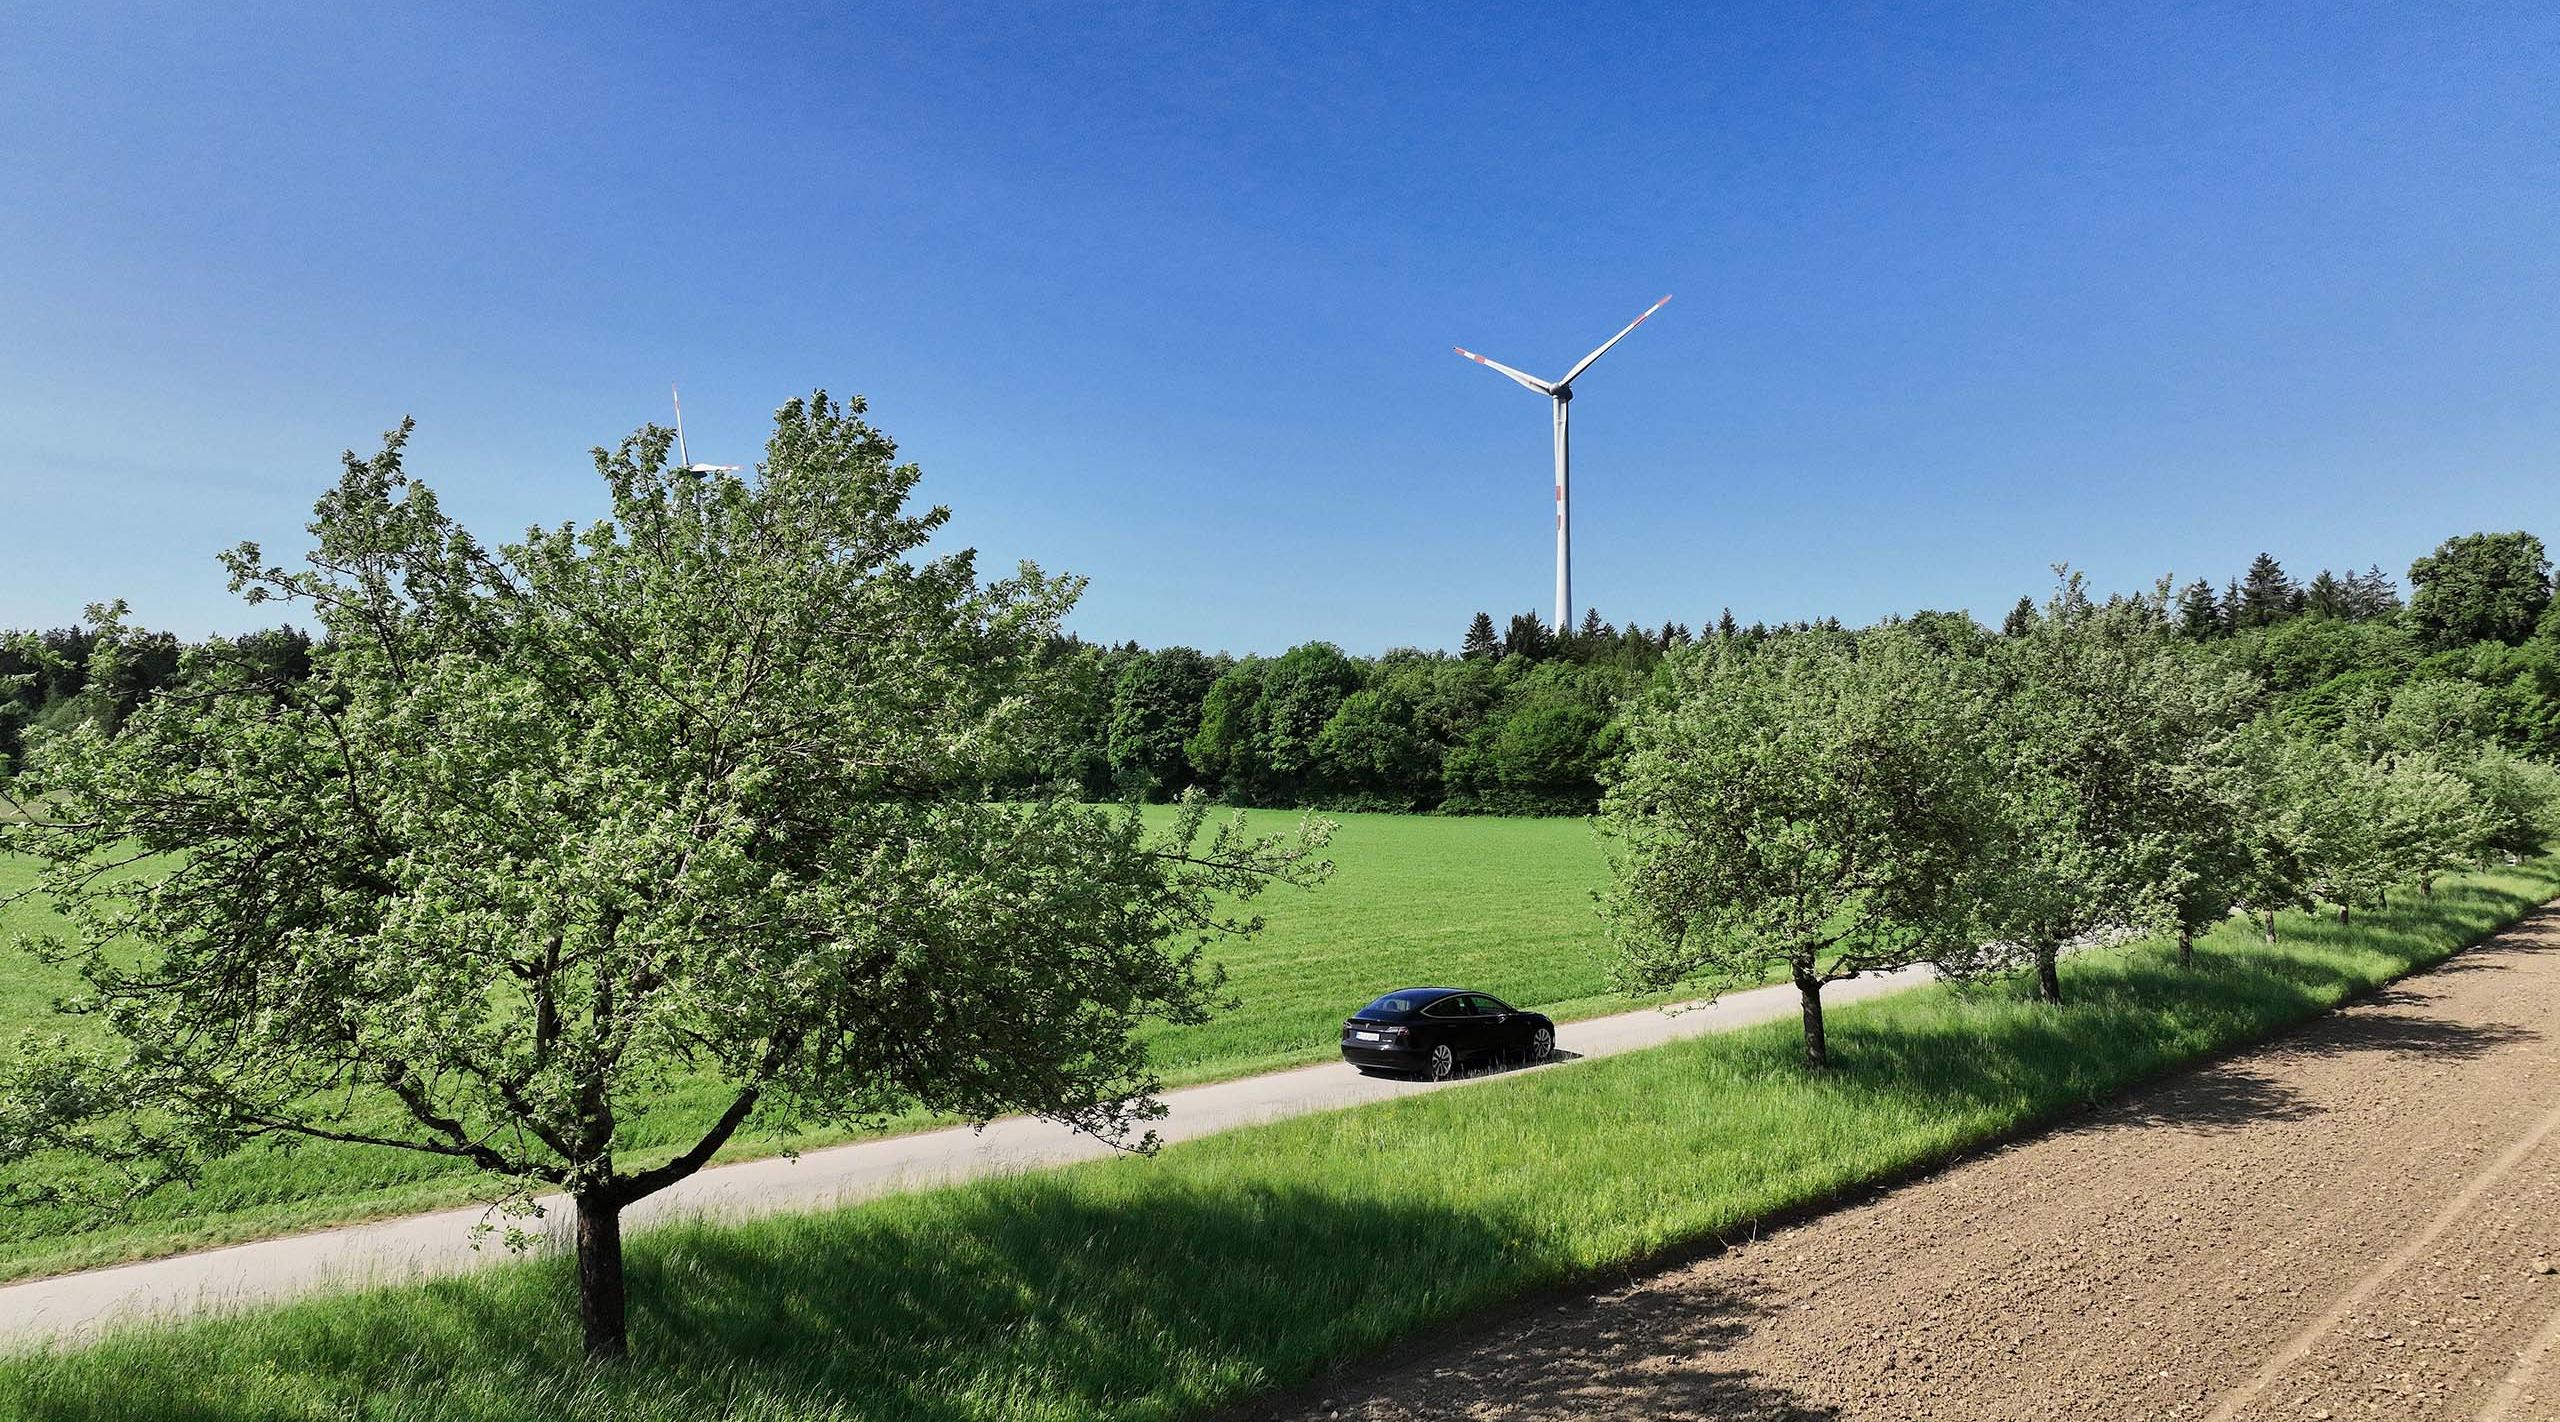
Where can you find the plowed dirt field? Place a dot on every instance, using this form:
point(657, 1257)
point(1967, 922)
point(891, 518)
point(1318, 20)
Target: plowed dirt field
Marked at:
point(2360, 1220)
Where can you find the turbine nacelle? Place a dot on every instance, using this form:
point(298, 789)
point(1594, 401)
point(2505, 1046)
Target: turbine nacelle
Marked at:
point(684, 458)
point(1561, 389)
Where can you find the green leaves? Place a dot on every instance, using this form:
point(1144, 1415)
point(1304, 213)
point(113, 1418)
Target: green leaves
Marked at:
point(2113, 750)
point(691, 787)
point(2481, 587)
point(1811, 803)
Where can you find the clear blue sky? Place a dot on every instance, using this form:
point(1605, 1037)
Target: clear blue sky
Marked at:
point(1165, 295)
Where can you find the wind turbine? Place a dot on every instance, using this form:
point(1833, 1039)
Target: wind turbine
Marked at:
point(1561, 392)
point(684, 461)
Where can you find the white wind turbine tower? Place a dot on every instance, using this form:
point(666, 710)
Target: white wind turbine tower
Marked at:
point(684, 460)
point(1561, 392)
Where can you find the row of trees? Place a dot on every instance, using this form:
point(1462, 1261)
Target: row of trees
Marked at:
point(1831, 804)
point(1520, 720)
point(1523, 720)
point(1316, 727)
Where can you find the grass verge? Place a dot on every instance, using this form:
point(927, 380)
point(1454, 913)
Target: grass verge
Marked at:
point(1226, 1267)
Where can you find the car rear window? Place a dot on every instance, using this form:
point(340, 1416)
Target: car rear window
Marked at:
point(1396, 1004)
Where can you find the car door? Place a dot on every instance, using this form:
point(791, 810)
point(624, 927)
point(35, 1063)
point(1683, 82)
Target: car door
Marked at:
point(1479, 1024)
point(1504, 1029)
point(1451, 1024)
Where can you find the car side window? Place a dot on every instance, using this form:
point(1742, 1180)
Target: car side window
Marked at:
point(1447, 1007)
point(1491, 1006)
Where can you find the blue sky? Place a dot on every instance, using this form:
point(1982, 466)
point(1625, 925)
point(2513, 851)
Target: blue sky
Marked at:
point(1165, 296)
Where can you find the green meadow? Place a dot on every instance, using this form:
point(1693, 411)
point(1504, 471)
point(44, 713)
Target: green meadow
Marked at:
point(1501, 904)
point(1226, 1267)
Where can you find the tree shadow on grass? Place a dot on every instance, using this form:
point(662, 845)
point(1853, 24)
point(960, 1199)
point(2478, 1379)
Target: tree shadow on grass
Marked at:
point(2130, 1017)
point(1099, 1294)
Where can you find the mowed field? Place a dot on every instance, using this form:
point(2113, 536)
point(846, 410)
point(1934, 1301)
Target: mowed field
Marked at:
point(1500, 904)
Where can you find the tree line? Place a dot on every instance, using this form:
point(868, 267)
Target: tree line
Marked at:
point(1828, 804)
point(1526, 719)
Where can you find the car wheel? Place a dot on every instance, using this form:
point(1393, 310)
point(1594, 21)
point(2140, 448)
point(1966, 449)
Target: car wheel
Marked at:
point(1542, 1044)
point(1444, 1063)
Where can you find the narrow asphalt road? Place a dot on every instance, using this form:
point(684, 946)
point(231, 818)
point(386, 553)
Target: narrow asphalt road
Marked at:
point(70, 1305)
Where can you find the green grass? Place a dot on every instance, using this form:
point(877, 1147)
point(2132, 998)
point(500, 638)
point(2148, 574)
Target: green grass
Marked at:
point(1500, 904)
point(1226, 1267)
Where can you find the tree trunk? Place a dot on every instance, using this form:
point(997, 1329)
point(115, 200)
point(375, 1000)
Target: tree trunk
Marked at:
point(600, 1294)
point(2427, 885)
point(1817, 1049)
point(2269, 919)
point(2342, 913)
point(2048, 974)
point(2186, 946)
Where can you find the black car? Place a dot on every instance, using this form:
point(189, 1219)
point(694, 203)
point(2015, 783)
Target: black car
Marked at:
point(1431, 1030)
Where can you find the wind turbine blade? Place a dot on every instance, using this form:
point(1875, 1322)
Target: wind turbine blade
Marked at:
point(1613, 340)
point(1531, 381)
point(684, 459)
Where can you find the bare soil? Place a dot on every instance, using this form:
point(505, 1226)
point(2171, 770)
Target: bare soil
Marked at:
point(2360, 1220)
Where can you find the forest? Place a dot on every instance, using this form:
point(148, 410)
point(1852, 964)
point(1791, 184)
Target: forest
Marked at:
point(1522, 718)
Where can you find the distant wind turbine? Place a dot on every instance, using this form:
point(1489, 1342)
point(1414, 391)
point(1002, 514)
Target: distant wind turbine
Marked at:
point(684, 461)
point(1561, 391)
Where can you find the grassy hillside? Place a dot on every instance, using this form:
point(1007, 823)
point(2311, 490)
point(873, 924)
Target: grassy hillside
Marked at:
point(1502, 904)
point(1162, 1288)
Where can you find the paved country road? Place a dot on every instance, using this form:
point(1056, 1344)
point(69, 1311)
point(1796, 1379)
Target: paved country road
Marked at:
point(440, 1243)
point(2360, 1220)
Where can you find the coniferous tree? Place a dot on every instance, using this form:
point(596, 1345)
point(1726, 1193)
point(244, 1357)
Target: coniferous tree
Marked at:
point(1593, 628)
point(2231, 605)
point(1481, 645)
point(2267, 596)
point(1527, 637)
point(2021, 618)
point(2372, 593)
point(2199, 611)
point(1725, 627)
point(2328, 596)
